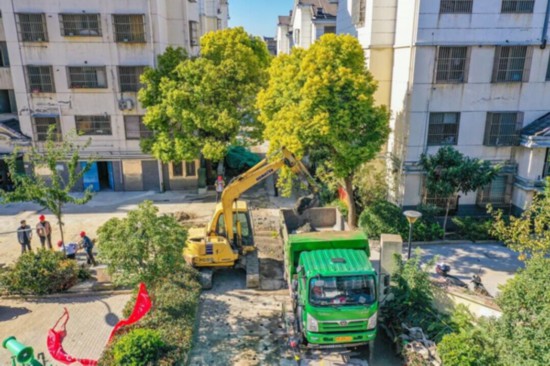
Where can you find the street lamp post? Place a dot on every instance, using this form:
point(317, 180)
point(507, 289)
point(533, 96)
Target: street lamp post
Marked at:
point(411, 216)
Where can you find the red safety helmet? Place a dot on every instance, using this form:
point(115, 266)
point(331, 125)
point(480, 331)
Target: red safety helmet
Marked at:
point(82, 234)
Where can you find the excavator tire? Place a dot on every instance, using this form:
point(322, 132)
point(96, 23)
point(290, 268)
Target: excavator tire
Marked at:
point(252, 270)
point(205, 278)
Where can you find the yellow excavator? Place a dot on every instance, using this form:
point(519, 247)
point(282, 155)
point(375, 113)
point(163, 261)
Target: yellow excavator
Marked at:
point(228, 239)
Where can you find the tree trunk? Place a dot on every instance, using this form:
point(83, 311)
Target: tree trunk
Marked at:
point(60, 224)
point(446, 217)
point(352, 214)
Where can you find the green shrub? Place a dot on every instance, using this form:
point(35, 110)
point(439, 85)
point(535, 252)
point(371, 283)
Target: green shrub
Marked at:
point(383, 217)
point(341, 206)
point(138, 347)
point(473, 228)
point(44, 272)
point(175, 301)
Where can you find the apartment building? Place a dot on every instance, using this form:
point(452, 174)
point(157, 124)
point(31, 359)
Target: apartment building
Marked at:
point(75, 64)
point(473, 74)
point(307, 22)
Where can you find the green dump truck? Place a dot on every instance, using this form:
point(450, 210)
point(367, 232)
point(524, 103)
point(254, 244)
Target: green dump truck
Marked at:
point(331, 279)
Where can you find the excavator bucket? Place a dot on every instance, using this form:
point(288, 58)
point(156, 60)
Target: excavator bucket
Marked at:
point(306, 202)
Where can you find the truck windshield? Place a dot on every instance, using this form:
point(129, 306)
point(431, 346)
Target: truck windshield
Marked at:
point(342, 290)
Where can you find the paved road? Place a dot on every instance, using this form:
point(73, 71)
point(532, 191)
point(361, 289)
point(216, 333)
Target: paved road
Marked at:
point(91, 321)
point(494, 263)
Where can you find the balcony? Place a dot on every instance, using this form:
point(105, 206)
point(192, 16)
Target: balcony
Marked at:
point(6, 82)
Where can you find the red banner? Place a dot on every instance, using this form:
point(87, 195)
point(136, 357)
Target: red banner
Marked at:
point(141, 308)
point(55, 344)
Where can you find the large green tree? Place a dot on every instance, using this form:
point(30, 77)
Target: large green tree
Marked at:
point(144, 246)
point(528, 234)
point(202, 105)
point(61, 169)
point(449, 172)
point(319, 102)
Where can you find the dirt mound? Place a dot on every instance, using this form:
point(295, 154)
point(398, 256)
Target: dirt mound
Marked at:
point(181, 216)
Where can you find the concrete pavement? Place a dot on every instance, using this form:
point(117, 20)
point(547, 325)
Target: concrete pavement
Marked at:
point(91, 321)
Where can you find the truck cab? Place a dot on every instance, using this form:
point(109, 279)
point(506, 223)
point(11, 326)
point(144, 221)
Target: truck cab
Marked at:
point(335, 298)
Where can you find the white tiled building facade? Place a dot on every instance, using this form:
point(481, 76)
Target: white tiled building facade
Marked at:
point(473, 74)
point(76, 64)
point(307, 22)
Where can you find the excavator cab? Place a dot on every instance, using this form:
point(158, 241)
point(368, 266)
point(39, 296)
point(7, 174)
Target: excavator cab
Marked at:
point(242, 227)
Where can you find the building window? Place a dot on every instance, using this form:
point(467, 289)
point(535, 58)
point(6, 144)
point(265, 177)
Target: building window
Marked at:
point(42, 125)
point(93, 125)
point(129, 78)
point(32, 27)
point(548, 71)
point(135, 128)
point(218, 24)
point(517, 6)
point(129, 28)
point(512, 64)
point(177, 169)
point(502, 129)
point(456, 6)
point(40, 79)
point(359, 12)
point(497, 193)
point(330, 29)
point(4, 58)
point(443, 128)
point(451, 65)
point(87, 77)
point(297, 37)
point(190, 169)
point(194, 33)
point(81, 25)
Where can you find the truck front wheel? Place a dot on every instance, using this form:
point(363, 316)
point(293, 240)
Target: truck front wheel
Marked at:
point(300, 331)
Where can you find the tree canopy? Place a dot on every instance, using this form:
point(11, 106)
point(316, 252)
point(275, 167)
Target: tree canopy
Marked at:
point(449, 172)
point(319, 102)
point(203, 105)
point(528, 234)
point(64, 168)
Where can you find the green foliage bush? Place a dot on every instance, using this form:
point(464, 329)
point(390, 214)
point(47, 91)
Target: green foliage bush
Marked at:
point(413, 294)
point(138, 347)
point(473, 228)
point(175, 301)
point(144, 246)
point(383, 217)
point(40, 273)
point(341, 206)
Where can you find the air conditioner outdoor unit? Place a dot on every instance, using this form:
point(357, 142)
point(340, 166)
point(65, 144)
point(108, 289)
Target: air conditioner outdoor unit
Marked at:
point(125, 104)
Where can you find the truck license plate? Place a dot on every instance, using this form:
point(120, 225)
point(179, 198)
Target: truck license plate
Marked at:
point(344, 339)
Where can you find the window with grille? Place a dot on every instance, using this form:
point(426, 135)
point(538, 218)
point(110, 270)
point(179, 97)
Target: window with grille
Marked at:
point(42, 125)
point(517, 6)
point(93, 125)
point(40, 79)
point(440, 202)
point(456, 6)
point(4, 57)
point(135, 128)
point(190, 169)
point(86, 77)
point(512, 64)
point(502, 129)
point(194, 33)
point(80, 25)
point(443, 128)
point(129, 78)
point(497, 193)
point(177, 169)
point(451, 65)
point(129, 28)
point(32, 27)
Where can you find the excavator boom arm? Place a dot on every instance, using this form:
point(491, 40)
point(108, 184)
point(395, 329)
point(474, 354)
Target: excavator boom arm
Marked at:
point(253, 176)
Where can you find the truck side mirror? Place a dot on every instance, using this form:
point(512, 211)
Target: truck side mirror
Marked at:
point(386, 280)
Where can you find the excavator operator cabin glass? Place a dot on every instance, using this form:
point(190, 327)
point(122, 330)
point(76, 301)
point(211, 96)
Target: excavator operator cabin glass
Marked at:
point(246, 231)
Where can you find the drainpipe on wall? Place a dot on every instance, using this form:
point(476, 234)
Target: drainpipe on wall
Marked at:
point(544, 37)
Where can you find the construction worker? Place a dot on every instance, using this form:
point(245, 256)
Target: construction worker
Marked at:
point(219, 187)
point(88, 246)
point(44, 232)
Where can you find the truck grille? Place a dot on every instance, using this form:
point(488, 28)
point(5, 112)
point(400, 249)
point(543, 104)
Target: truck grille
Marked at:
point(343, 326)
